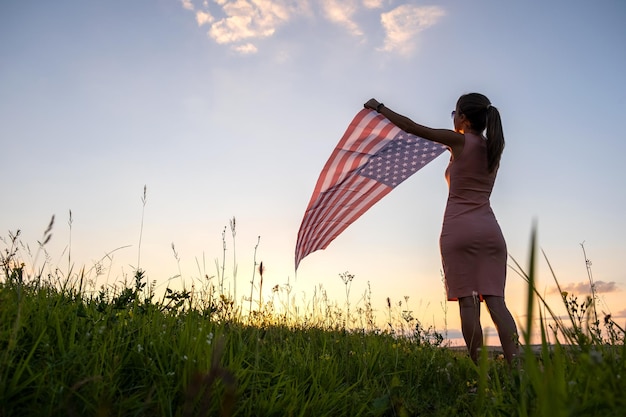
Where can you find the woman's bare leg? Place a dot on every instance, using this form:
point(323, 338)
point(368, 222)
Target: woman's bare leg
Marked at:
point(470, 325)
point(505, 324)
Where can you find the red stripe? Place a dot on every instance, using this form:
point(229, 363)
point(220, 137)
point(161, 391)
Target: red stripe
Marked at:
point(329, 208)
point(341, 196)
point(328, 167)
point(346, 156)
point(346, 168)
point(346, 215)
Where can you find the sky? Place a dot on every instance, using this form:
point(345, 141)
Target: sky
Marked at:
point(229, 109)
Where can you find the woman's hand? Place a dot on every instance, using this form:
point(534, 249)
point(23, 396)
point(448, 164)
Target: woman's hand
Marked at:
point(371, 104)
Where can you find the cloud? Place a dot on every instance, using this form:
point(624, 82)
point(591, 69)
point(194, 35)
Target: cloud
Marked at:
point(341, 12)
point(203, 18)
point(403, 23)
point(187, 4)
point(240, 23)
point(247, 48)
point(246, 20)
point(606, 287)
point(619, 315)
point(373, 4)
point(583, 287)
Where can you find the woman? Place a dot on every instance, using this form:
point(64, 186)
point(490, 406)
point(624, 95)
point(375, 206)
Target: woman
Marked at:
point(473, 249)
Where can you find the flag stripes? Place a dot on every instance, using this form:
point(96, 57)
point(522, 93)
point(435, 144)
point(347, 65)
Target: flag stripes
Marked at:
point(344, 192)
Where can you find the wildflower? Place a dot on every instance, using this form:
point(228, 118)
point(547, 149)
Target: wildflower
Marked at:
point(185, 357)
point(139, 348)
point(209, 338)
point(473, 388)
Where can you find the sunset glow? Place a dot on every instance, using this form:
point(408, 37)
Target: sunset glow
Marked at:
point(229, 109)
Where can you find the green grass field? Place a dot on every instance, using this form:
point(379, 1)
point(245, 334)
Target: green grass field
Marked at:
point(123, 351)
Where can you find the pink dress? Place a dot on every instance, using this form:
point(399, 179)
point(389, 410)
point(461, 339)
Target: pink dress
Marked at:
point(473, 250)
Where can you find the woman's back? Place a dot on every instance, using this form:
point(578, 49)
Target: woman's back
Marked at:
point(472, 246)
point(469, 180)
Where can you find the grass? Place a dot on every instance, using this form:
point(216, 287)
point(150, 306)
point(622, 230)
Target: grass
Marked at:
point(123, 351)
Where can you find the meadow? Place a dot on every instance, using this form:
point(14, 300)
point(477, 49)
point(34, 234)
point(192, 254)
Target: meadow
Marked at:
point(123, 350)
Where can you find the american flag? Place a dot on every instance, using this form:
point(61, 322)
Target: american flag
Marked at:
point(373, 157)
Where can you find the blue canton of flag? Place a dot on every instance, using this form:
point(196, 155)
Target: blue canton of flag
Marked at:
point(400, 159)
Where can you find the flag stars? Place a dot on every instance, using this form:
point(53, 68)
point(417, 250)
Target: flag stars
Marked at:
point(399, 159)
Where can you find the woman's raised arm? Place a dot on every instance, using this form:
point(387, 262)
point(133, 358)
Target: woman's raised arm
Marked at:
point(453, 140)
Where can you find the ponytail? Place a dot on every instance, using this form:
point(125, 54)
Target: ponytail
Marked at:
point(495, 138)
point(483, 116)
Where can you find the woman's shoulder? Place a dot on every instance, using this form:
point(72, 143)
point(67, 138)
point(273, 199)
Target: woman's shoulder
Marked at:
point(475, 140)
point(472, 143)
point(475, 137)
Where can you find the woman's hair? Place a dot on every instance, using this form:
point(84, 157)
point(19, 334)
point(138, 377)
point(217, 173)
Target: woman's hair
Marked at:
point(482, 115)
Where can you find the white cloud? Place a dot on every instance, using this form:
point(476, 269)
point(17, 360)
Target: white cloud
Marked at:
point(373, 4)
point(403, 23)
point(187, 4)
point(245, 49)
point(248, 20)
point(341, 12)
point(242, 22)
point(203, 18)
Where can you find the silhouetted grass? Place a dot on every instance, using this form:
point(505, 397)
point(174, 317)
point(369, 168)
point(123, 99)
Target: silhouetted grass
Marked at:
point(124, 351)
